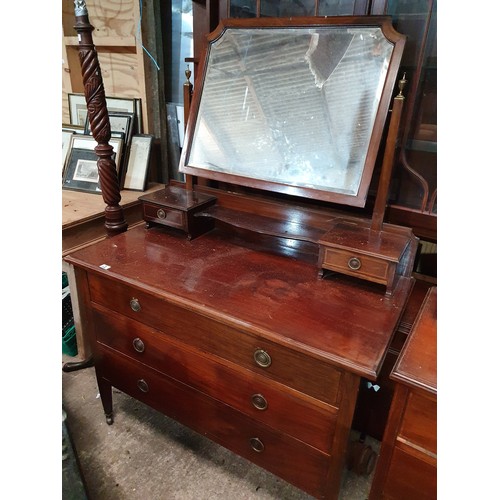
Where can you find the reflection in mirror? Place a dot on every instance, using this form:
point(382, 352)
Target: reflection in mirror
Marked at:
point(271, 8)
point(293, 106)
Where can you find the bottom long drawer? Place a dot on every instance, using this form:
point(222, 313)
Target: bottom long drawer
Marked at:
point(297, 463)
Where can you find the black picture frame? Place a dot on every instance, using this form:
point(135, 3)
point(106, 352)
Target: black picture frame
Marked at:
point(81, 173)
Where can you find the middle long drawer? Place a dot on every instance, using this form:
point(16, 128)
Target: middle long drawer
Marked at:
point(280, 407)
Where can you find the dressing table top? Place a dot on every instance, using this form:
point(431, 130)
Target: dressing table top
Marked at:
point(251, 287)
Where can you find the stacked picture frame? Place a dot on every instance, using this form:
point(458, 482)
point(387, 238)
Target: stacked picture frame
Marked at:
point(132, 148)
point(80, 172)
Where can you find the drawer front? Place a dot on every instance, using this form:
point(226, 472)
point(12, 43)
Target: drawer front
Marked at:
point(275, 405)
point(300, 372)
point(164, 215)
point(356, 264)
point(410, 478)
point(297, 463)
point(419, 424)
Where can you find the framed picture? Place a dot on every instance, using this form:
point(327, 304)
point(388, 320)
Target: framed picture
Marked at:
point(138, 115)
point(66, 143)
point(81, 172)
point(138, 162)
point(78, 109)
point(74, 129)
point(88, 142)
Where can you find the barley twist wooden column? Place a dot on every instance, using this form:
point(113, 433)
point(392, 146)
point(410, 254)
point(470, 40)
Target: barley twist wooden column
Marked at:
point(99, 121)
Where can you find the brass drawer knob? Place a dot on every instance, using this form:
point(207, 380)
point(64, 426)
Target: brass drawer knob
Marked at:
point(143, 385)
point(161, 213)
point(354, 263)
point(134, 304)
point(259, 402)
point(257, 445)
point(138, 344)
point(262, 358)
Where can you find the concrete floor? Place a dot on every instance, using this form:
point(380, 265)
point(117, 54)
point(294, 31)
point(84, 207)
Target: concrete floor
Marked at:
point(147, 456)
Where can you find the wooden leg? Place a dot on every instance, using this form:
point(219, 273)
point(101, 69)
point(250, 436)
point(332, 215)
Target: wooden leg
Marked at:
point(105, 390)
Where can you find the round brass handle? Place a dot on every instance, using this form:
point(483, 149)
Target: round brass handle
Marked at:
point(138, 344)
point(161, 213)
point(257, 445)
point(262, 358)
point(354, 263)
point(259, 402)
point(143, 385)
point(134, 304)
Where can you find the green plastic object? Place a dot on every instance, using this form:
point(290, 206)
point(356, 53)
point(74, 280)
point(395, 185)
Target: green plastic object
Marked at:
point(69, 346)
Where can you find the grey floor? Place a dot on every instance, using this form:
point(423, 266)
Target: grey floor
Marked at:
point(147, 456)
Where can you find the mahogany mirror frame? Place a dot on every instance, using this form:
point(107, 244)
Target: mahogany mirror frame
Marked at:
point(358, 199)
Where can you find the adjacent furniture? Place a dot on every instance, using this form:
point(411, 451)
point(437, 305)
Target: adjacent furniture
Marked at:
point(407, 466)
point(374, 398)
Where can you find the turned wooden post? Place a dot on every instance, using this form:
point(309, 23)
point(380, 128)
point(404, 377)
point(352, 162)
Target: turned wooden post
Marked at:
point(188, 95)
point(388, 162)
point(99, 121)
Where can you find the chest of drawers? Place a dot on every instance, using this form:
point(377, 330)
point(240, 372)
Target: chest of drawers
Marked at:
point(407, 467)
point(247, 347)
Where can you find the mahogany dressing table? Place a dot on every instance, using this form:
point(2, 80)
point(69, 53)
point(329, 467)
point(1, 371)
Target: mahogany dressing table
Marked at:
point(223, 314)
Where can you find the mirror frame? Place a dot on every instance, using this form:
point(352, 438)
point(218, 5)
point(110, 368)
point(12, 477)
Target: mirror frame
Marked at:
point(359, 199)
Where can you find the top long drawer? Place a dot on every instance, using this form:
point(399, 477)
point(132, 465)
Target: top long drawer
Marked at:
point(293, 368)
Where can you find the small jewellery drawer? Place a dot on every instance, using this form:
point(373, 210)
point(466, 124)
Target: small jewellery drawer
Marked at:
point(292, 368)
point(251, 393)
point(300, 464)
point(356, 264)
point(164, 215)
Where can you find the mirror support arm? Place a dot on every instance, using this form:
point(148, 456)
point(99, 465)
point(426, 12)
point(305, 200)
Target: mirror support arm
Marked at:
point(388, 162)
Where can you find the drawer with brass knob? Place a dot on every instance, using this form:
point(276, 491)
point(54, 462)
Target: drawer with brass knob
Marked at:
point(163, 215)
point(272, 403)
point(259, 402)
point(176, 207)
point(135, 305)
point(279, 363)
point(348, 262)
point(262, 358)
point(240, 433)
point(257, 445)
point(355, 250)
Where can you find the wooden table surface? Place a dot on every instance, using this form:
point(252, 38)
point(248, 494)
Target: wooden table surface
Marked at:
point(83, 215)
point(349, 324)
point(417, 364)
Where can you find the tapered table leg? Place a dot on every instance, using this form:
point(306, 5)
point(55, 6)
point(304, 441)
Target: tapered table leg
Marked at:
point(105, 391)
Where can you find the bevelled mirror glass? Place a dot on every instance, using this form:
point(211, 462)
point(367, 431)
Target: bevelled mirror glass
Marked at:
point(296, 109)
